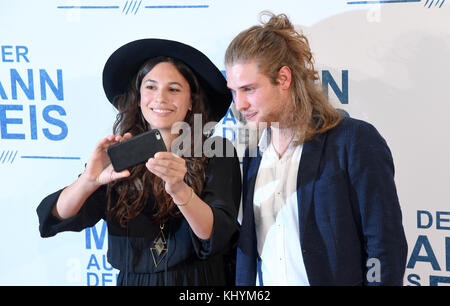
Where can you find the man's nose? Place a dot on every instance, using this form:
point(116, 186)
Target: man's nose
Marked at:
point(240, 102)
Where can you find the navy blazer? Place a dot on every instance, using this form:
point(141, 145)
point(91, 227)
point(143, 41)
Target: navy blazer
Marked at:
point(348, 211)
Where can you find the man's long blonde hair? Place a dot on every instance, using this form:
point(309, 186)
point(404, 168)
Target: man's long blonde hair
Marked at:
point(275, 44)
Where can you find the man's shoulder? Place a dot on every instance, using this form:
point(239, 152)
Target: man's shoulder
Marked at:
point(353, 123)
point(352, 133)
point(352, 127)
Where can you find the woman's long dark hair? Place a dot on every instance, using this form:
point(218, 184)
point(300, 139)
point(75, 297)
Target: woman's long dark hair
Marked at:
point(134, 191)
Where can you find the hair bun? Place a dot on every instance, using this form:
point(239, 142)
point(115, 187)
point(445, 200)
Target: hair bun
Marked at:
point(276, 22)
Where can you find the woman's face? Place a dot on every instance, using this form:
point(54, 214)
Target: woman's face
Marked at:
point(165, 96)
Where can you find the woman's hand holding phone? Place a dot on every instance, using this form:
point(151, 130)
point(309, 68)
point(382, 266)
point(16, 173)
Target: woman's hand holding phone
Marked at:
point(99, 170)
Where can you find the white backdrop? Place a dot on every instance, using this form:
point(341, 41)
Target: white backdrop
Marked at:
point(385, 62)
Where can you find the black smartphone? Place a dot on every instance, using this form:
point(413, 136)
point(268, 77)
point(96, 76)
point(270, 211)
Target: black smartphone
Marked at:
point(136, 150)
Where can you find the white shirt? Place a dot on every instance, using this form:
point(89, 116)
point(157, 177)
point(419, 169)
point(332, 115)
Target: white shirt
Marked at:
point(276, 215)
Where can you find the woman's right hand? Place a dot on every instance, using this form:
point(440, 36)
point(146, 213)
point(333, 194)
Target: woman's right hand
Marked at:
point(99, 170)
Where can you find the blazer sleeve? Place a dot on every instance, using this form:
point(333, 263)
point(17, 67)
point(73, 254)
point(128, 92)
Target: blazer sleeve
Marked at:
point(373, 191)
point(222, 192)
point(90, 213)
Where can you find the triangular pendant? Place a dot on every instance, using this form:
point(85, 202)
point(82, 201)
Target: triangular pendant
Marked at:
point(159, 249)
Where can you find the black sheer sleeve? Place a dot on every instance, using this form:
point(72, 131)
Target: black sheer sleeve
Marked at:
point(222, 192)
point(90, 213)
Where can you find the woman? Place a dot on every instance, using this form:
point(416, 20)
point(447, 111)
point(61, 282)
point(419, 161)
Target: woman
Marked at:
point(172, 220)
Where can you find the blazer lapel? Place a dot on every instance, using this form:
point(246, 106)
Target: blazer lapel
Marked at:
point(307, 173)
point(246, 257)
point(251, 166)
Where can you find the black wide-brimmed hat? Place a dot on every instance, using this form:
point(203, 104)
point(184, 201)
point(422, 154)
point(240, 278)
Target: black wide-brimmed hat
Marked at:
point(125, 62)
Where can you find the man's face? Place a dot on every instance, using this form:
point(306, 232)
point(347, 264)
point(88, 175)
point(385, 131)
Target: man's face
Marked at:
point(254, 95)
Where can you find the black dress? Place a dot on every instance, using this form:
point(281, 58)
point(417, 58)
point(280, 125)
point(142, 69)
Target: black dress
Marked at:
point(189, 260)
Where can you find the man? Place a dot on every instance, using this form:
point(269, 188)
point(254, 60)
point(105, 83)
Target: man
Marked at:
point(320, 205)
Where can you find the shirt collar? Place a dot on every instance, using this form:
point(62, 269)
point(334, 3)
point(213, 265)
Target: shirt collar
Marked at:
point(266, 138)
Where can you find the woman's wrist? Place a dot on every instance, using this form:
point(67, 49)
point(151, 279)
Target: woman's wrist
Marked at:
point(188, 201)
point(87, 183)
point(183, 196)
